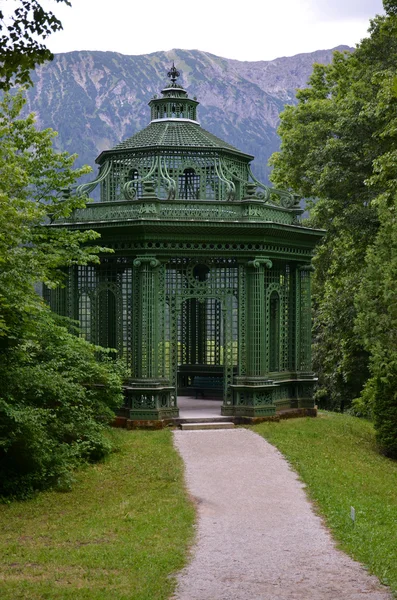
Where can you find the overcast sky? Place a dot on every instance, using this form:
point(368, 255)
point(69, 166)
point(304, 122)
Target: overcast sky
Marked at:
point(254, 30)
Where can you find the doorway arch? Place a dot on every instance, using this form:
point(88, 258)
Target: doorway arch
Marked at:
point(205, 336)
point(200, 344)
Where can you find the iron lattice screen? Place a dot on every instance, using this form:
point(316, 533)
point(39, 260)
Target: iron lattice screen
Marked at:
point(201, 175)
point(105, 304)
point(279, 319)
point(202, 315)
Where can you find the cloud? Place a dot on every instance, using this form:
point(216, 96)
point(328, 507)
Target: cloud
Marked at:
point(265, 31)
point(340, 10)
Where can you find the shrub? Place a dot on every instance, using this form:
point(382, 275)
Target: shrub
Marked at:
point(59, 393)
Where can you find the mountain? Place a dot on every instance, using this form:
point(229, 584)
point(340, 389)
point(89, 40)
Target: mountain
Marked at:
point(96, 99)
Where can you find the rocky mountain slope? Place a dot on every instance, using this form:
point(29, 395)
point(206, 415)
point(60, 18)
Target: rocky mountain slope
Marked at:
point(96, 99)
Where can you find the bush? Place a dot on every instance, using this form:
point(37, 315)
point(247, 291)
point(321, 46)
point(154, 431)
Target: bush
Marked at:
point(59, 393)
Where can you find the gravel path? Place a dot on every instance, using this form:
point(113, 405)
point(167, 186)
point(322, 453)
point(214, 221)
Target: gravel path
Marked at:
point(258, 537)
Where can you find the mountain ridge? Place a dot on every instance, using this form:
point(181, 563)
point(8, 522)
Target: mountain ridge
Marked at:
point(95, 99)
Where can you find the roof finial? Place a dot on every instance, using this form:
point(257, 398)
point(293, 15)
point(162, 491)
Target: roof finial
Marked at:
point(173, 74)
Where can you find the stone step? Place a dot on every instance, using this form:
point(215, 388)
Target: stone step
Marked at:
point(214, 425)
point(202, 419)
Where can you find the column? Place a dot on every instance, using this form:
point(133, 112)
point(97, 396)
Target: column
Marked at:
point(306, 380)
point(147, 316)
point(304, 319)
point(149, 395)
point(256, 334)
point(253, 392)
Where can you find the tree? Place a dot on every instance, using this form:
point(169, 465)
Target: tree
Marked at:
point(334, 142)
point(376, 301)
point(377, 325)
point(21, 49)
point(55, 394)
point(33, 176)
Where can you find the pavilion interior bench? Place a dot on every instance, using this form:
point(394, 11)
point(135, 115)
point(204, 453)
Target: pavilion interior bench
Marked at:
point(207, 386)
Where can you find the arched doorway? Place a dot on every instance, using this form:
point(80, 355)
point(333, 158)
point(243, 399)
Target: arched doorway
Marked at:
point(200, 355)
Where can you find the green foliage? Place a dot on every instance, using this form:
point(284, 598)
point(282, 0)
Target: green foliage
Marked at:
point(55, 398)
point(377, 322)
point(390, 7)
point(33, 176)
point(56, 395)
point(338, 147)
point(20, 44)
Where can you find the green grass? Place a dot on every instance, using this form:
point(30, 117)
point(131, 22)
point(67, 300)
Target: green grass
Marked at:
point(335, 455)
point(121, 533)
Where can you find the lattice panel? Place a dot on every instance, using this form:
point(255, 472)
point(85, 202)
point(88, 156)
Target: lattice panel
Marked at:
point(274, 331)
point(231, 344)
point(280, 319)
point(189, 184)
point(286, 323)
point(305, 325)
point(104, 303)
point(106, 332)
point(126, 294)
point(201, 332)
point(167, 347)
point(85, 316)
point(196, 174)
point(256, 319)
point(163, 325)
point(57, 299)
point(242, 319)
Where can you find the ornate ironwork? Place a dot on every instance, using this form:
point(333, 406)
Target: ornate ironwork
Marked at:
point(210, 275)
point(173, 74)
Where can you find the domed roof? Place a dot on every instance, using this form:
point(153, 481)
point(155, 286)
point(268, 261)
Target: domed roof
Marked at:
point(173, 125)
point(175, 133)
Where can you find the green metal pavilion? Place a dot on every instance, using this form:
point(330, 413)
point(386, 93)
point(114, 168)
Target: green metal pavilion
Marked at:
point(208, 287)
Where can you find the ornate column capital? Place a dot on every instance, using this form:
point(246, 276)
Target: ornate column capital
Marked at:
point(151, 261)
point(259, 261)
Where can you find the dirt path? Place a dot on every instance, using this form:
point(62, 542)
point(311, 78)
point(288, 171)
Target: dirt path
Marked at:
point(258, 537)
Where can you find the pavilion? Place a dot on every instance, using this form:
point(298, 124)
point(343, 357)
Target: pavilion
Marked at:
point(208, 288)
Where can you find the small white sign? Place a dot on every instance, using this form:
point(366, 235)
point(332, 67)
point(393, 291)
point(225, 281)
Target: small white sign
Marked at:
point(353, 513)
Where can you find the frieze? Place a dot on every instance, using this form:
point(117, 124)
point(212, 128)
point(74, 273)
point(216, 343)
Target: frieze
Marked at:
point(112, 211)
point(127, 244)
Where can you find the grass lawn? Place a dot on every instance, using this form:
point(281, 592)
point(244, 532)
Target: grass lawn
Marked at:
point(119, 534)
point(335, 456)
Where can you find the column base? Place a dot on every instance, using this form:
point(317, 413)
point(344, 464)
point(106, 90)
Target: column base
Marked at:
point(252, 397)
point(305, 390)
point(259, 396)
point(248, 411)
point(150, 400)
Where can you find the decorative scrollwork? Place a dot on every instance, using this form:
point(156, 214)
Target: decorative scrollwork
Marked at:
point(170, 183)
point(265, 195)
point(130, 187)
point(147, 209)
point(85, 189)
point(230, 187)
point(287, 199)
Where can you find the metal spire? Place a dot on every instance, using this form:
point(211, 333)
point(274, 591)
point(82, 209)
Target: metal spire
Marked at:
point(173, 74)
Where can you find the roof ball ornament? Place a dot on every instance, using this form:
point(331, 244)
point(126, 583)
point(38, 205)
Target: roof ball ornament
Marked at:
point(173, 74)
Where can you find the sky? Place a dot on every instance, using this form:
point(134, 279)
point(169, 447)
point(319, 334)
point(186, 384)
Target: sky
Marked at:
point(248, 31)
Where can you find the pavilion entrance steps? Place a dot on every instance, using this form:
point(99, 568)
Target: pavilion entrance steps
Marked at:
point(199, 425)
point(201, 414)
